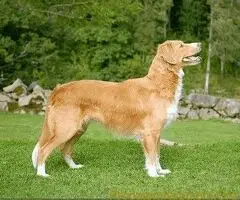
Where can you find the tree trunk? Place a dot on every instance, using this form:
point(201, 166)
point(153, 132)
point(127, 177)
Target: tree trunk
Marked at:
point(208, 70)
point(206, 88)
point(222, 66)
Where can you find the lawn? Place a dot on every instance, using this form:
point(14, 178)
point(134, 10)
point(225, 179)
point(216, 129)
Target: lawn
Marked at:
point(208, 165)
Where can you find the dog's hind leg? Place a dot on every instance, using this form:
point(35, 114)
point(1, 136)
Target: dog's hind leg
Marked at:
point(62, 133)
point(67, 148)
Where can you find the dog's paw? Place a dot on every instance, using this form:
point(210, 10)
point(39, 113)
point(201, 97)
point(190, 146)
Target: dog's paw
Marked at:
point(153, 173)
point(76, 166)
point(43, 175)
point(164, 171)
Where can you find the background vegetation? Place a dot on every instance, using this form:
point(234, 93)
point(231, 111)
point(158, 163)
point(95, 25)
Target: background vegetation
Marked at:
point(61, 40)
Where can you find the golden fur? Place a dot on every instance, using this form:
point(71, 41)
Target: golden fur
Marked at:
point(133, 107)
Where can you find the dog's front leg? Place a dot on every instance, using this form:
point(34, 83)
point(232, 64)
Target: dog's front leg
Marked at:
point(160, 170)
point(150, 142)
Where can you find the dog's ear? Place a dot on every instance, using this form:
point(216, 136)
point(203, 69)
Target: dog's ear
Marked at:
point(168, 51)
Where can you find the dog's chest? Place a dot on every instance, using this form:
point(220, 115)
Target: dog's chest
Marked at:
point(172, 110)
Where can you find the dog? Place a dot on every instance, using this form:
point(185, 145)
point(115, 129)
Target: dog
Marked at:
point(142, 106)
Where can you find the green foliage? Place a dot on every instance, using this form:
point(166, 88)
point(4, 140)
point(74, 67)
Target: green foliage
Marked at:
point(226, 38)
point(193, 18)
point(58, 41)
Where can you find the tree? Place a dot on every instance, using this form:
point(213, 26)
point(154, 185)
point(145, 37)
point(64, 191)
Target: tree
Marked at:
point(189, 18)
point(206, 87)
point(193, 18)
point(226, 38)
point(55, 41)
point(151, 25)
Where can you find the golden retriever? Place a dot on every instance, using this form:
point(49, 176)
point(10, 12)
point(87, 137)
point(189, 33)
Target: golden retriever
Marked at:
point(142, 106)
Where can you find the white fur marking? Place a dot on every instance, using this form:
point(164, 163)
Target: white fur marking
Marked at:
point(68, 159)
point(41, 170)
point(35, 155)
point(152, 169)
point(160, 170)
point(173, 108)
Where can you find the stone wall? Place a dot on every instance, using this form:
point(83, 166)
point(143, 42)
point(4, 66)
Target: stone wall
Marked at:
point(20, 98)
point(199, 106)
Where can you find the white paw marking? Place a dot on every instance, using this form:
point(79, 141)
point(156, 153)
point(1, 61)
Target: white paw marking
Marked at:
point(164, 171)
point(41, 170)
point(43, 175)
point(68, 159)
point(152, 171)
point(153, 174)
point(76, 166)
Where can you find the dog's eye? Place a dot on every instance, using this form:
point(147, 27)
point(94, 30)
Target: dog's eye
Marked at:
point(181, 45)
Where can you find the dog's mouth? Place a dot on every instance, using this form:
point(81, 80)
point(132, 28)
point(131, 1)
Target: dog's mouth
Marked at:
point(192, 60)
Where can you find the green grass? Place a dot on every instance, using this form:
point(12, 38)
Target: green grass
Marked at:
point(207, 166)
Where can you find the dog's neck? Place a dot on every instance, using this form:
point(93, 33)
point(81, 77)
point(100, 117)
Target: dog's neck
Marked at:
point(165, 80)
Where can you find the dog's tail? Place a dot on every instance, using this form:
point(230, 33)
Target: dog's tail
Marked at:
point(44, 138)
point(35, 155)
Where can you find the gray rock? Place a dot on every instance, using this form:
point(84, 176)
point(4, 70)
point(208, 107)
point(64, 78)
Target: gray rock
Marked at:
point(25, 100)
point(192, 114)
point(34, 99)
point(233, 120)
point(32, 85)
point(183, 110)
point(236, 121)
point(18, 87)
point(3, 106)
point(228, 107)
point(37, 89)
point(13, 96)
point(5, 98)
point(47, 93)
point(213, 113)
point(201, 100)
point(39, 93)
point(39, 96)
point(206, 114)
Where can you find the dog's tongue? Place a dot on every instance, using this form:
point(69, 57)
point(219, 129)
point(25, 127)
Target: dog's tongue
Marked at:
point(192, 58)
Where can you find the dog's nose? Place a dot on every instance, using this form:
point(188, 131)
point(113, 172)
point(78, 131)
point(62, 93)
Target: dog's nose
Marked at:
point(199, 44)
point(196, 45)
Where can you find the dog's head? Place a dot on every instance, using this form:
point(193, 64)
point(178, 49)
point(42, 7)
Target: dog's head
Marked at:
point(176, 52)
